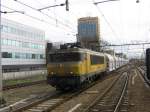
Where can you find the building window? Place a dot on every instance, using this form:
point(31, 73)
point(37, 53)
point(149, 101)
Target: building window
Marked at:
point(13, 55)
point(17, 55)
point(41, 56)
point(36, 56)
point(6, 55)
point(28, 56)
point(9, 42)
point(21, 44)
point(33, 56)
point(17, 43)
point(8, 29)
point(5, 41)
point(5, 29)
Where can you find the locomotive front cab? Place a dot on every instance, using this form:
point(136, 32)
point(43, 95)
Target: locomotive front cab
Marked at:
point(65, 68)
point(65, 63)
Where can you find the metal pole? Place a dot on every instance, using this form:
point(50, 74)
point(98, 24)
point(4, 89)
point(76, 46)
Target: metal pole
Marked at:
point(1, 76)
point(0, 61)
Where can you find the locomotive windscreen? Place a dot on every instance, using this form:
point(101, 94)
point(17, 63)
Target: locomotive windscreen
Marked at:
point(65, 57)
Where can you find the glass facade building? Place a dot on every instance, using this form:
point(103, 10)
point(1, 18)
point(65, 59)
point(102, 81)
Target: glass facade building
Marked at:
point(89, 32)
point(23, 47)
point(88, 29)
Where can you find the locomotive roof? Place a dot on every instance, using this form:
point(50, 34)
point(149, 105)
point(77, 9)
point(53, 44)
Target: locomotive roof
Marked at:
point(110, 57)
point(75, 50)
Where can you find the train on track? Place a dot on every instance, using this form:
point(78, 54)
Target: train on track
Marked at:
point(70, 67)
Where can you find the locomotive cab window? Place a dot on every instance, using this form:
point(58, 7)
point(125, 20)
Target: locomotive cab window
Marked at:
point(66, 57)
point(96, 59)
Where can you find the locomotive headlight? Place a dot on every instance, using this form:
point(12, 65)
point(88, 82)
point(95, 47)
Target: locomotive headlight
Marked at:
point(52, 73)
point(71, 72)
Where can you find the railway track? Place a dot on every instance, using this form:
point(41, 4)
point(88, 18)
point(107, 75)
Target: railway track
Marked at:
point(51, 104)
point(142, 71)
point(29, 102)
point(112, 97)
point(138, 92)
point(47, 102)
point(23, 85)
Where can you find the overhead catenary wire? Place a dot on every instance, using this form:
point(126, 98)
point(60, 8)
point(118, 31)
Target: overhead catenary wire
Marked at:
point(128, 44)
point(121, 20)
point(138, 20)
point(32, 17)
point(104, 1)
point(47, 9)
point(5, 12)
point(50, 17)
point(68, 22)
point(51, 6)
point(23, 12)
point(76, 15)
point(111, 28)
point(138, 23)
point(55, 12)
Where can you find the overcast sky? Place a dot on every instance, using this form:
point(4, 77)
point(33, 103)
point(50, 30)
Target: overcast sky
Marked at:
point(121, 21)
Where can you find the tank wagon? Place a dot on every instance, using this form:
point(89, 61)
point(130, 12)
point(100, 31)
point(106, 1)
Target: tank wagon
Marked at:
point(72, 67)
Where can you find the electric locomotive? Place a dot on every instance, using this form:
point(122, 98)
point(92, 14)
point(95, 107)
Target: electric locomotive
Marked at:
point(72, 67)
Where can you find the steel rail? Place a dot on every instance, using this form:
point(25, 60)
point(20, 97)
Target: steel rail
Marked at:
point(122, 94)
point(25, 84)
point(28, 102)
point(102, 95)
point(144, 76)
point(27, 105)
point(76, 93)
point(60, 95)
